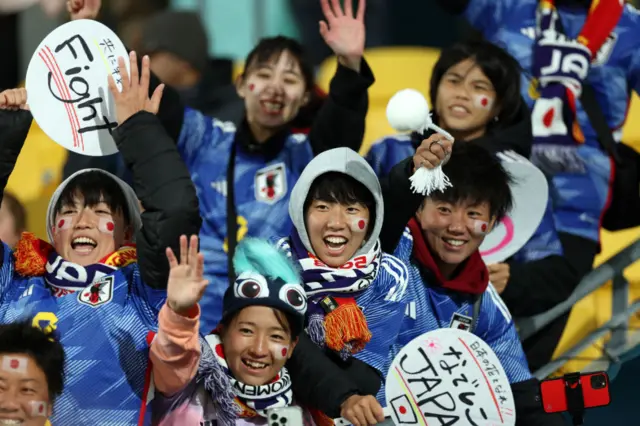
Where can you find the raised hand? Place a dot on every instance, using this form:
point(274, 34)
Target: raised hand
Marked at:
point(344, 33)
point(432, 152)
point(83, 9)
point(135, 90)
point(14, 99)
point(186, 283)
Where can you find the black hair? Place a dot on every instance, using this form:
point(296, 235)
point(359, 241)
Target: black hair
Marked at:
point(292, 325)
point(17, 210)
point(476, 176)
point(500, 67)
point(272, 47)
point(23, 338)
point(336, 187)
point(95, 187)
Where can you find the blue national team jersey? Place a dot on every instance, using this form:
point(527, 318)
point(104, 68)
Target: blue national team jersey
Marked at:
point(430, 307)
point(104, 335)
point(383, 305)
point(579, 199)
point(389, 151)
point(261, 195)
point(543, 243)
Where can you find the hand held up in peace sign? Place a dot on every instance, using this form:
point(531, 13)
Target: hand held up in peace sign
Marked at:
point(343, 32)
point(135, 90)
point(186, 283)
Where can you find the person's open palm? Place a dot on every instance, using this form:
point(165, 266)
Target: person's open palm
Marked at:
point(186, 282)
point(83, 9)
point(343, 32)
point(134, 96)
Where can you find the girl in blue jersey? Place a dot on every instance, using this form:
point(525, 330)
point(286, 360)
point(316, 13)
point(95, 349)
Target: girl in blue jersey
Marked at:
point(235, 375)
point(355, 290)
point(96, 281)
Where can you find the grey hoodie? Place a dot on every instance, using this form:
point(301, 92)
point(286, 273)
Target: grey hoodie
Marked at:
point(342, 160)
point(129, 193)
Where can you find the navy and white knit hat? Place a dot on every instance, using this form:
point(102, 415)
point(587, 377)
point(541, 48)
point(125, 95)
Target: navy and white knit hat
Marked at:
point(265, 277)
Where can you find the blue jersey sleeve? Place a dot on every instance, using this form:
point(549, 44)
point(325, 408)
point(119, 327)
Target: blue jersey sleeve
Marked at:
point(501, 335)
point(148, 300)
point(198, 130)
point(383, 305)
point(544, 242)
point(488, 16)
point(6, 269)
point(387, 152)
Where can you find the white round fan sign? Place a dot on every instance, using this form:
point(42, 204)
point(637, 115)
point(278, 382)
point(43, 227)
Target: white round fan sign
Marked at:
point(530, 193)
point(67, 87)
point(448, 376)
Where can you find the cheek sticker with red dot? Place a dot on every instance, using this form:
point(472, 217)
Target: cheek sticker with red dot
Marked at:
point(358, 224)
point(483, 101)
point(106, 225)
point(480, 227)
point(61, 224)
point(38, 409)
point(280, 352)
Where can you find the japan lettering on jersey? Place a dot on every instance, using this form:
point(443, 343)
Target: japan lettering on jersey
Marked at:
point(261, 195)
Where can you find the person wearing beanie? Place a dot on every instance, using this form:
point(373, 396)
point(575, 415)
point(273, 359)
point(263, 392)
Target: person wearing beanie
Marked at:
point(236, 374)
point(99, 281)
point(178, 45)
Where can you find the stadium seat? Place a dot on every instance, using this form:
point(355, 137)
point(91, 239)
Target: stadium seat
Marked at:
point(35, 177)
point(631, 129)
point(595, 310)
point(395, 68)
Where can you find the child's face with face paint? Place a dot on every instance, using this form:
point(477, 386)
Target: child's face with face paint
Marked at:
point(24, 395)
point(453, 232)
point(466, 101)
point(257, 345)
point(273, 91)
point(336, 231)
point(85, 235)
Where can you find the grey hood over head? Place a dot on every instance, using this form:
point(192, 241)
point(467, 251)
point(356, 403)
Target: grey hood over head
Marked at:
point(129, 193)
point(341, 160)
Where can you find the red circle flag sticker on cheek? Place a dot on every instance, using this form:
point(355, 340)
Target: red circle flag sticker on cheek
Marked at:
point(284, 352)
point(358, 224)
point(483, 101)
point(106, 225)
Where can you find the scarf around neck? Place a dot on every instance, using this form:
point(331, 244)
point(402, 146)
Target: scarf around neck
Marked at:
point(37, 258)
point(233, 398)
point(334, 318)
point(473, 278)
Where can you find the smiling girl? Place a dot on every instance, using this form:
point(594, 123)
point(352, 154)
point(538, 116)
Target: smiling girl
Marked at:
point(236, 374)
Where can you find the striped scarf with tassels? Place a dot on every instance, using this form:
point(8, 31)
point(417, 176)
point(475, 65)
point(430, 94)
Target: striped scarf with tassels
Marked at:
point(334, 319)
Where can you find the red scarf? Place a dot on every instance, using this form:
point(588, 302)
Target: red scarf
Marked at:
point(472, 279)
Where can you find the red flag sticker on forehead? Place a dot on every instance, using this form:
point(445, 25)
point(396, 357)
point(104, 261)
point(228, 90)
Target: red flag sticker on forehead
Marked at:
point(14, 364)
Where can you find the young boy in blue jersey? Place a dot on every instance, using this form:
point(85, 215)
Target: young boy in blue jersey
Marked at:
point(31, 374)
point(101, 279)
point(448, 280)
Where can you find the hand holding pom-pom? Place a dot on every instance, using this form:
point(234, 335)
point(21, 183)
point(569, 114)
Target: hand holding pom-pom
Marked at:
point(408, 111)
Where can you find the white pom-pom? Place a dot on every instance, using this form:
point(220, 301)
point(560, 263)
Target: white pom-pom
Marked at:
point(408, 111)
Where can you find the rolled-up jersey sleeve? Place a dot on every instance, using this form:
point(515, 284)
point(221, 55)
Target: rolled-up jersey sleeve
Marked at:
point(502, 337)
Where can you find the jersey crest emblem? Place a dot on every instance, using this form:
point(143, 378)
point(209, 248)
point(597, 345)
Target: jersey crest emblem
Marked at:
point(271, 183)
point(98, 293)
